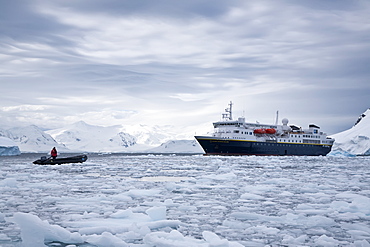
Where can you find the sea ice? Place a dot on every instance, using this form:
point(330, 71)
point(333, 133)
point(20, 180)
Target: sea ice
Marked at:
point(225, 202)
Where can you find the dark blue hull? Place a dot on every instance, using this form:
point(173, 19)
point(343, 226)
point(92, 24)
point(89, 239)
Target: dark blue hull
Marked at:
point(218, 146)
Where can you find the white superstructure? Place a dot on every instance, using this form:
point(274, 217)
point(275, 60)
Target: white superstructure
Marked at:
point(272, 133)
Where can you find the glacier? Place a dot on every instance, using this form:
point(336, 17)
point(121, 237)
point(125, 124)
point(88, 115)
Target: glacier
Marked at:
point(8, 147)
point(356, 140)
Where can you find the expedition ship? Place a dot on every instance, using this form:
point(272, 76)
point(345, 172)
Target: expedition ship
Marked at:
point(237, 137)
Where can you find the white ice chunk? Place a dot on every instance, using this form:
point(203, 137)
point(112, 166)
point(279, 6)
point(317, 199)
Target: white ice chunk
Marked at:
point(172, 239)
point(319, 220)
point(359, 235)
point(2, 217)
point(4, 237)
point(135, 232)
point(292, 241)
point(129, 214)
point(9, 182)
point(359, 204)
point(250, 196)
point(106, 239)
point(187, 208)
point(176, 239)
point(157, 213)
point(360, 243)
point(224, 176)
point(326, 241)
point(214, 240)
point(170, 203)
point(135, 193)
point(264, 230)
point(35, 232)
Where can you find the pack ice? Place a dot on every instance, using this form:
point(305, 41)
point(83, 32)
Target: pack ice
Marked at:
point(171, 201)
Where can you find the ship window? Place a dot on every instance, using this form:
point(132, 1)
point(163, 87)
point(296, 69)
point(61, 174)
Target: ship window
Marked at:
point(236, 131)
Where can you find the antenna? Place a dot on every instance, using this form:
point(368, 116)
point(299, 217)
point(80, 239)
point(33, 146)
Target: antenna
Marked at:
point(229, 112)
point(277, 118)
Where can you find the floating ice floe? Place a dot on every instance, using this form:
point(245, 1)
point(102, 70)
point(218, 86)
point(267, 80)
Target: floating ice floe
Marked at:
point(113, 231)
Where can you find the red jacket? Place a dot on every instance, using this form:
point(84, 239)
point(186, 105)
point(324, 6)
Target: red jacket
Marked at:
point(54, 152)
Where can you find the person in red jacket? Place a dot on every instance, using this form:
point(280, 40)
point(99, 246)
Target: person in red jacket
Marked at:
point(54, 153)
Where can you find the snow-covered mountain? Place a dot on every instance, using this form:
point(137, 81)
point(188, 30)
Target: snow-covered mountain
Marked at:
point(8, 147)
point(178, 146)
point(150, 135)
point(81, 136)
point(356, 140)
point(32, 139)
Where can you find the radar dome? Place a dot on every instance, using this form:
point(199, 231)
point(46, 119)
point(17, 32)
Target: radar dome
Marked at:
point(285, 121)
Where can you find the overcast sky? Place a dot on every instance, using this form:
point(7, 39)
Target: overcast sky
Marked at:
point(174, 62)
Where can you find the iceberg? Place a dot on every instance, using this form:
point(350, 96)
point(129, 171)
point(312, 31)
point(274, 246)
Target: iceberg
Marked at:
point(356, 140)
point(8, 147)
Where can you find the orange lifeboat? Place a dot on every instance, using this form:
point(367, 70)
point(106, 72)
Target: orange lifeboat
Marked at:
point(270, 131)
point(259, 131)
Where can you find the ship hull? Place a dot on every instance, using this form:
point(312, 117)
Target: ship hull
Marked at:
point(221, 146)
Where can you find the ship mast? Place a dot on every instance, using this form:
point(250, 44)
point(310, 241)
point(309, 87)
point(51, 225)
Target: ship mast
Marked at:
point(229, 112)
point(277, 117)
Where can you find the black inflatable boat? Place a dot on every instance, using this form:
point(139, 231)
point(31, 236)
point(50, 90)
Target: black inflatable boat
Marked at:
point(58, 161)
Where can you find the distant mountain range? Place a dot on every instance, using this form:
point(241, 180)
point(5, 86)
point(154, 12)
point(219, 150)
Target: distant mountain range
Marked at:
point(82, 137)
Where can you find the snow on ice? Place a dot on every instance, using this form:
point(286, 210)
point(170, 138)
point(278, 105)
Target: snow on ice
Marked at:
point(154, 200)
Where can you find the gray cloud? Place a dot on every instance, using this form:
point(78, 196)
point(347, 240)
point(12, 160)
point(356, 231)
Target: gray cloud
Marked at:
point(181, 62)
